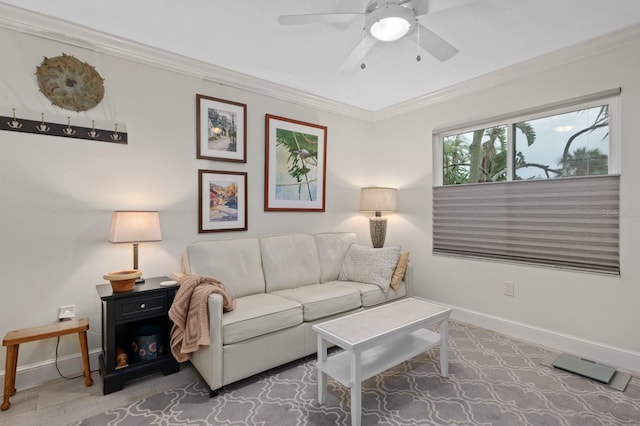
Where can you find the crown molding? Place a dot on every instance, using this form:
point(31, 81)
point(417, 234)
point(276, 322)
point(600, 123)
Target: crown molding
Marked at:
point(32, 23)
point(535, 65)
point(38, 25)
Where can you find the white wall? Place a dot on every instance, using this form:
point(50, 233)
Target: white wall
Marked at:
point(572, 311)
point(58, 193)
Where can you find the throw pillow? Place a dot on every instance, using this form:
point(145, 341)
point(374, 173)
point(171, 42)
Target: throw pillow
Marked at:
point(401, 267)
point(370, 265)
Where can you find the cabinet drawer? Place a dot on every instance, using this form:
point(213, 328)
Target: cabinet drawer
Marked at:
point(139, 307)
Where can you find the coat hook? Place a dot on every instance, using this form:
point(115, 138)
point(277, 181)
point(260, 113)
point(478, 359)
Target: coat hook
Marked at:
point(115, 136)
point(93, 132)
point(68, 130)
point(14, 124)
point(42, 126)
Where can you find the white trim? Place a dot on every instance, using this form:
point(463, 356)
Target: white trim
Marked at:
point(549, 339)
point(535, 65)
point(24, 21)
point(615, 135)
point(32, 375)
point(539, 111)
point(510, 153)
point(437, 160)
point(28, 22)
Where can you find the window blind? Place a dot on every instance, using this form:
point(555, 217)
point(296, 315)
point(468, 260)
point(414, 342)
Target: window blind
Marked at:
point(564, 222)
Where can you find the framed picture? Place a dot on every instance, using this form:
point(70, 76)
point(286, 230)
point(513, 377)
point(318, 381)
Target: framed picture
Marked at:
point(222, 201)
point(221, 129)
point(295, 165)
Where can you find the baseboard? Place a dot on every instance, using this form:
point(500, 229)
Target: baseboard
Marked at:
point(32, 375)
point(558, 342)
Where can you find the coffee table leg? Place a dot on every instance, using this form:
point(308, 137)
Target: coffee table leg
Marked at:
point(444, 348)
point(356, 389)
point(322, 376)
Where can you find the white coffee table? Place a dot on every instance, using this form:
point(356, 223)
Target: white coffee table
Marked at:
point(376, 340)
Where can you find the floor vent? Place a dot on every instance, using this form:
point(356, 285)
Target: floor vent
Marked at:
point(584, 367)
point(590, 369)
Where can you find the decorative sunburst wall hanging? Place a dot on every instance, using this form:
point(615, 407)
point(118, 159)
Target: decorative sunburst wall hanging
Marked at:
point(69, 83)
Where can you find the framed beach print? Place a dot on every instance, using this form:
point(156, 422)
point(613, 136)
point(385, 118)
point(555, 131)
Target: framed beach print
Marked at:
point(222, 201)
point(221, 129)
point(295, 165)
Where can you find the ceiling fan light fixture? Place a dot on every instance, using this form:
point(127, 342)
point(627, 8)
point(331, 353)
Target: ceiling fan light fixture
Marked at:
point(390, 22)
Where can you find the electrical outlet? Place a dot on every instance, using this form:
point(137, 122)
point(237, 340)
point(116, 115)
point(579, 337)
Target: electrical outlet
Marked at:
point(66, 312)
point(509, 288)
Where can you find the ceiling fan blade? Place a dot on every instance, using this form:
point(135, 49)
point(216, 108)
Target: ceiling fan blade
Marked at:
point(438, 47)
point(356, 57)
point(429, 6)
point(316, 18)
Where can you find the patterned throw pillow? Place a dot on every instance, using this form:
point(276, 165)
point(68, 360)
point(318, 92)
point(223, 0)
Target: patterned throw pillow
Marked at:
point(401, 267)
point(370, 265)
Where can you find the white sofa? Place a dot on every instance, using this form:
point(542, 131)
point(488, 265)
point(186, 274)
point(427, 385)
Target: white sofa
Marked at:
point(283, 284)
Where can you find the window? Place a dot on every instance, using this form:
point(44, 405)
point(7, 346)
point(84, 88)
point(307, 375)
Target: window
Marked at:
point(563, 144)
point(575, 143)
point(474, 157)
point(540, 187)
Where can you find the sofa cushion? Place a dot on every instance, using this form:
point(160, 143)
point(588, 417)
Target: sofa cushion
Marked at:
point(370, 265)
point(236, 263)
point(289, 261)
point(259, 314)
point(332, 247)
point(323, 300)
point(373, 295)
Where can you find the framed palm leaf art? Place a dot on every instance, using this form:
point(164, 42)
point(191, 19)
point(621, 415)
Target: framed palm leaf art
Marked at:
point(295, 165)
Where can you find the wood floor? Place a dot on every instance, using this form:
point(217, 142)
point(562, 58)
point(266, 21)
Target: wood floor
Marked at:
point(63, 401)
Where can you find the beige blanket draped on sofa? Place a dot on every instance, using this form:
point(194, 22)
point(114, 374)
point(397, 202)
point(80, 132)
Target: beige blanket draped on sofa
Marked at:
point(190, 316)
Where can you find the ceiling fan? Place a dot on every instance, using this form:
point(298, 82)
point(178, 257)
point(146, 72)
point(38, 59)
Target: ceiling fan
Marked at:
point(387, 21)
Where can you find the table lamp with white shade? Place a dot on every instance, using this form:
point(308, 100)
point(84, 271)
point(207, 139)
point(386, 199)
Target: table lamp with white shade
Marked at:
point(135, 227)
point(377, 199)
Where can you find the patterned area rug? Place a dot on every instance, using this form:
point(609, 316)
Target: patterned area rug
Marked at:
point(493, 380)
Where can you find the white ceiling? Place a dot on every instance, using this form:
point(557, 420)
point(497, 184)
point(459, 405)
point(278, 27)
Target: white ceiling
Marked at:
point(244, 36)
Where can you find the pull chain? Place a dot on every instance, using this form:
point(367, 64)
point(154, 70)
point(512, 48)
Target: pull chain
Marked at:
point(363, 66)
point(418, 58)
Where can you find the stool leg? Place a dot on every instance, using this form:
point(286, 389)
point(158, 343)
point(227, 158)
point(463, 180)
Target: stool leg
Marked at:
point(84, 348)
point(10, 375)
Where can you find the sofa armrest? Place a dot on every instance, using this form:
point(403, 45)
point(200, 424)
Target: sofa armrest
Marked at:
point(208, 360)
point(177, 275)
point(408, 279)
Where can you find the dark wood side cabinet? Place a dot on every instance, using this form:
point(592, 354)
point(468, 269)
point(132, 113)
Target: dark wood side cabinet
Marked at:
point(125, 316)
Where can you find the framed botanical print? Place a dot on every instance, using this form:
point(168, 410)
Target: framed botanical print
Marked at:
point(221, 129)
point(295, 165)
point(222, 201)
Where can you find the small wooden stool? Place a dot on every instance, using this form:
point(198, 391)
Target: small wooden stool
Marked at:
point(13, 339)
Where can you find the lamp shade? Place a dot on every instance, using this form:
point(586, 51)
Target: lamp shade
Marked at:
point(377, 199)
point(135, 227)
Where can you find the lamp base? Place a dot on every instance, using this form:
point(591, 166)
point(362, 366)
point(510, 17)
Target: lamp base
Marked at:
point(378, 231)
point(140, 280)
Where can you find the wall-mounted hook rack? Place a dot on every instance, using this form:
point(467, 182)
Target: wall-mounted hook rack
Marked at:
point(67, 130)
